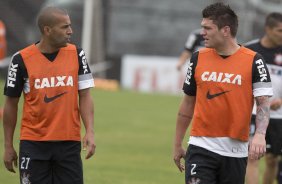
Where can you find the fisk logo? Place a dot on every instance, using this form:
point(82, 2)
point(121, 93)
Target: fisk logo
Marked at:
point(84, 62)
point(222, 77)
point(261, 70)
point(12, 75)
point(189, 74)
point(53, 82)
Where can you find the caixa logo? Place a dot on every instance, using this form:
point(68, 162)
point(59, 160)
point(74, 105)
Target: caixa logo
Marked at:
point(12, 75)
point(52, 82)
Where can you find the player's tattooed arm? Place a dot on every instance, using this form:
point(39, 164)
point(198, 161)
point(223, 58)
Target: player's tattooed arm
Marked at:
point(262, 116)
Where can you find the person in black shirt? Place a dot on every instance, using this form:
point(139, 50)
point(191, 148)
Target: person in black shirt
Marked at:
point(55, 80)
point(270, 47)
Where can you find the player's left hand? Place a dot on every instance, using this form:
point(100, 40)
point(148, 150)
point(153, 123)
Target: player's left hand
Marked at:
point(257, 146)
point(89, 144)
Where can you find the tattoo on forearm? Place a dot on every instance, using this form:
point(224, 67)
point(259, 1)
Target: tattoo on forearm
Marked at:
point(262, 117)
point(184, 115)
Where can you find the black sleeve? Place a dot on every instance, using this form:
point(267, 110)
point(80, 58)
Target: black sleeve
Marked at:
point(83, 65)
point(260, 70)
point(17, 74)
point(190, 86)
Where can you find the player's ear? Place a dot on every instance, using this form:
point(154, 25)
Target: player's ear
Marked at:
point(47, 30)
point(226, 30)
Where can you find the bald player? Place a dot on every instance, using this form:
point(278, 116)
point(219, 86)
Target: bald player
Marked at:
point(55, 80)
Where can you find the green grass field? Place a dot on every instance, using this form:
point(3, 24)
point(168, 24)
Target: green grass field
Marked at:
point(134, 135)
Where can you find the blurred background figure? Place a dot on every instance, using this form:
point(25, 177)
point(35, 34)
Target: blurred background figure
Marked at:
point(270, 47)
point(3, 52)
point(3, 42)
point(194, 42)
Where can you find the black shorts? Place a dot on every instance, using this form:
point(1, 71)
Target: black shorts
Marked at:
point(206, 167)
point(44, 162)
point(273, 135)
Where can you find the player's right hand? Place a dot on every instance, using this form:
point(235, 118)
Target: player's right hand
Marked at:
point(89, 144)
point(10, 159)
point(178, 154)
